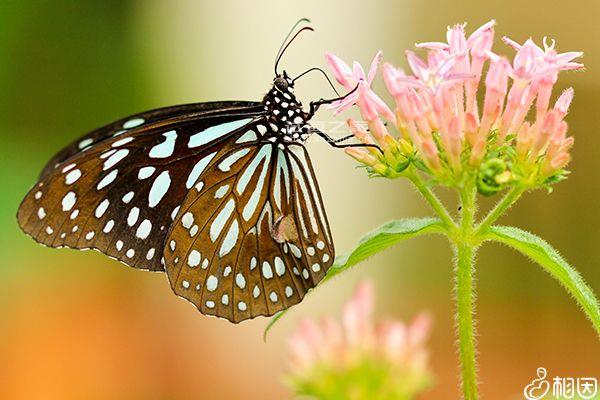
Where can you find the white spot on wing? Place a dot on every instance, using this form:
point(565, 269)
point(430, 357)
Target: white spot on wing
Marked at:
point(264, 152)
point(273, 297)
point(266, 270)
point(132, 123)
point(133, 216)
point(249, 136)
point(145, 172)
point(127, 198)
point(108, 179)
point(228, 162)
point(68, 168)
point(85, 143)
point(230, 239)
point(143, 231)
point(72, 176)
point(215, 132)
point(150, 254)
point(212, 283)
point(198, 169)
point(295, 251)
point(69, 201)
point(123, 141)
point(108, 227)
point(159, 188)
point(219, 222)
point(187, 220)
point(194, 258)
point(101, 209)
point(279, 266)
point(166, 148)
point(221, 192)
point(115, 158)
point(240, 281)
point(252, 203)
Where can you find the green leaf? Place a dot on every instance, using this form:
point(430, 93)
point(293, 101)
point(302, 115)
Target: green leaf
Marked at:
point(545, 255)
point(380, 239)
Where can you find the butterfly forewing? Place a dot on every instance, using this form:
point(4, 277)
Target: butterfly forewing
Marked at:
point(254, 239)
point(141, 120)
point(121, 195)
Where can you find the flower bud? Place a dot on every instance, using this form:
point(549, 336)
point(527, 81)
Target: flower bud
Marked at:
point(492, 177)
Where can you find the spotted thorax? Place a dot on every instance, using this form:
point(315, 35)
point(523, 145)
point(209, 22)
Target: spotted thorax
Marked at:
point(288, 122)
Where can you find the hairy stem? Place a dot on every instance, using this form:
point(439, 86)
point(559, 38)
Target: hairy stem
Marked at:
point(500, 208)
point(432, 199)
point(465, 249)
point(465, 255)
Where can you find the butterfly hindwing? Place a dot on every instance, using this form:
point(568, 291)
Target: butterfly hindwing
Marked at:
point(121, 195)
point(254, 238)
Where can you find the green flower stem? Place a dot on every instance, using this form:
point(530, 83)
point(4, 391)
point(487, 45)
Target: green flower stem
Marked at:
point(465, 247)
point(465, 255)
point(500, 208)
point(467, 202)
point(431, 198)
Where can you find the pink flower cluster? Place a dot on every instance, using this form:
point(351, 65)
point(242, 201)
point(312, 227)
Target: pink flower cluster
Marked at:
point(347, 344)
point(437, 110)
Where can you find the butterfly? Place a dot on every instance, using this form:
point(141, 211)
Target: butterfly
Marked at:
point(221, 196)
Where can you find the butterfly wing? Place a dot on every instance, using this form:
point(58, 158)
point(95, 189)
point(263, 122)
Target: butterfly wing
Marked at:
point(142, 120)
point(254, 238)
point(120, 195)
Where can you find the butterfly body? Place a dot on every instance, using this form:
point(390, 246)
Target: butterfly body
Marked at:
point(287, 120)
point(222, 196)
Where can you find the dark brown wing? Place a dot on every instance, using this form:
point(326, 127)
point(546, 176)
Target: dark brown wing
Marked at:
point(120, 195)
point(142, 120)
point(254, 238)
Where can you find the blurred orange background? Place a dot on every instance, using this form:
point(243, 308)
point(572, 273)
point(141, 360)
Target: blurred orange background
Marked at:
point(78, 325)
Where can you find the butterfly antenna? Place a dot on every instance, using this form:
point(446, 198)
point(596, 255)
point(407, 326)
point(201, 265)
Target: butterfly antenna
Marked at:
point(284, 48)
point(322, 72)
point(301, 20)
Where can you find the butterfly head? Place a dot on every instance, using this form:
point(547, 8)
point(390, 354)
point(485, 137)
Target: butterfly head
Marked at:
point(283, 83)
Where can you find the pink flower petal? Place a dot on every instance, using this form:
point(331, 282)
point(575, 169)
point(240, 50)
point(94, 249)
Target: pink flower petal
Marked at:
point(374, 64)
point(358, 312)
point(341, 70)
point(436, 46)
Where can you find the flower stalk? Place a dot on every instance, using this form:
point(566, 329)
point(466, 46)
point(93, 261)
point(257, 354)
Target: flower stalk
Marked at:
point(464, 267)
point(465, 249)
point(499, 209)
point(431, 198)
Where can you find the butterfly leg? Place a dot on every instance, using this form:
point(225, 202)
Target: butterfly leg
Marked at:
point(314, 105)
point(336, 142)
point(343, 139)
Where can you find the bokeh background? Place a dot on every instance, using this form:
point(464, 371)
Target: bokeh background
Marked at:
point(78, 325)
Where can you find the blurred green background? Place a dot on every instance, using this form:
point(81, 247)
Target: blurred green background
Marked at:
point(78, 325)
